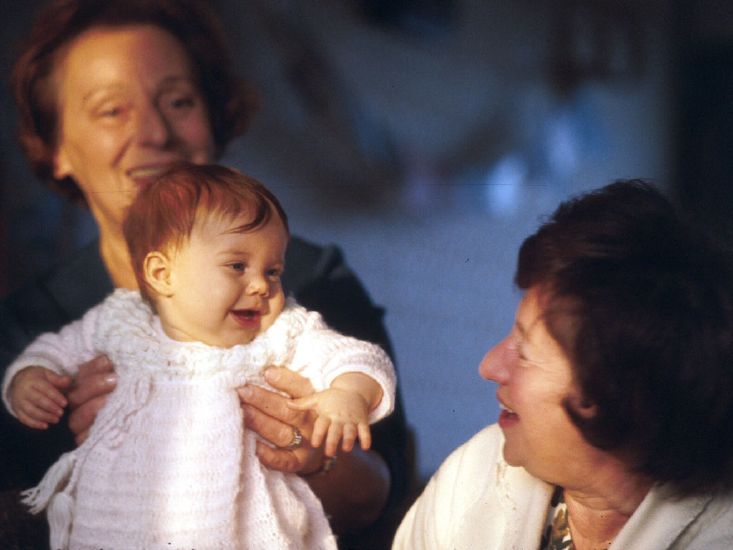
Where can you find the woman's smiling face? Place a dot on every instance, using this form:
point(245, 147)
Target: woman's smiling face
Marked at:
point(129, 106)
point(535, 376)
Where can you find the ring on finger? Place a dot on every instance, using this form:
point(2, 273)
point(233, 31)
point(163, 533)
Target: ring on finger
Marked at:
point(297, 440)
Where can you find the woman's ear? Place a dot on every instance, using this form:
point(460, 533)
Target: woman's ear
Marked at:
point(61, 164)
point(157, 271)
point(584, 407)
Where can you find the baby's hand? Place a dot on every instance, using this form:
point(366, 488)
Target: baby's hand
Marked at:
point(341, 414)
point(36, 398)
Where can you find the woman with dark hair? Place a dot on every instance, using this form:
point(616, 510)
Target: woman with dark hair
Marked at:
point(110, 94)
point(616, 392)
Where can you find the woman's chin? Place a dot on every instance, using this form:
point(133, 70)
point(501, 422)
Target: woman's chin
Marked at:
point(511, 455)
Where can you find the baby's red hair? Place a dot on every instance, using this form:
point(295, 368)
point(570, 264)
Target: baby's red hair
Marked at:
point(163, 214)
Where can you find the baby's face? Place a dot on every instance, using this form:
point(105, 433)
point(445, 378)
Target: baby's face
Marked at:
point(226, 285)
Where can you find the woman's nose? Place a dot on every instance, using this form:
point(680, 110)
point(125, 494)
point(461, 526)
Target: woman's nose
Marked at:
point(152, 127)
point(498, 361)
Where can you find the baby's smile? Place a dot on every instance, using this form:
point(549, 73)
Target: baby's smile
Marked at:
point(247, 318)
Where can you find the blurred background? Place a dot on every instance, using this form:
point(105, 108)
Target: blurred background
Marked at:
point(428, 138)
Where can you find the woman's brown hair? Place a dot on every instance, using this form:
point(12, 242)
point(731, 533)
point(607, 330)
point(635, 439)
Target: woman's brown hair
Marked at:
point(642, 304)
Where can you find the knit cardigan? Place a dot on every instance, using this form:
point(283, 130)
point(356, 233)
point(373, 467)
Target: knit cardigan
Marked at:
point(168, 463)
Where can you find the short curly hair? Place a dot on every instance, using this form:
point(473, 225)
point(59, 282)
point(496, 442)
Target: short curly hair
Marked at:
point(642, 304)
point(230, 102)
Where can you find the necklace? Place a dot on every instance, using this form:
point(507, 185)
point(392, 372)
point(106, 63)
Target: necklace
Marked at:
point(557, 534)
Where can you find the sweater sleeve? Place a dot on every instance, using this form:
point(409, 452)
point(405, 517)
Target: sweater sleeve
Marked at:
point(61, 352)
point(321, 280)
point(429, 523)
point(476, 500)
point(323, 354)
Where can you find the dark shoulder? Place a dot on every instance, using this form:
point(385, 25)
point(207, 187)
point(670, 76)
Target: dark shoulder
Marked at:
point(308, 263)
point(319, 278)
point(53, 300)
point(45, 305)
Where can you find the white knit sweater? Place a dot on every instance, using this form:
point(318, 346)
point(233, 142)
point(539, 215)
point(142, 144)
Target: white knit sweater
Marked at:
point(168, 463)
point(476, 501)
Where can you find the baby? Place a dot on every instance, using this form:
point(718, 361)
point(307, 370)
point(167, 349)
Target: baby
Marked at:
point(168, 463)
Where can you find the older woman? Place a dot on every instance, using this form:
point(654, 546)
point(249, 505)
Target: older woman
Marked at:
point(616, 392)
point(111, 93)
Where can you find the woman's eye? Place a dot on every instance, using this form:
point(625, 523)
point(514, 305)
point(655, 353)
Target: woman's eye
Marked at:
point(111, 112)
point(182, 102)
point(179, 102)
point(274, 274)
point(522, 356)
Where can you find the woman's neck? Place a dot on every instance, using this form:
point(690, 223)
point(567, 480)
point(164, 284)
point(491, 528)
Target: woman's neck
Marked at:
point(116, 259)
point(596, 514)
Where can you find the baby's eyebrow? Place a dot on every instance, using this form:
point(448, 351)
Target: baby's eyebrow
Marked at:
point(232, 252)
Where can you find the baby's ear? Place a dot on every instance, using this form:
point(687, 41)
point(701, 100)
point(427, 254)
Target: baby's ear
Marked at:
point(157, 271)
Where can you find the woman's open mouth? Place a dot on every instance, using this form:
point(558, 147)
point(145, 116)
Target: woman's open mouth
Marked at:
point(507, 417)
point(146, 175)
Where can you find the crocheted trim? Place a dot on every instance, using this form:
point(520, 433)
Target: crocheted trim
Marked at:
point(130, 334)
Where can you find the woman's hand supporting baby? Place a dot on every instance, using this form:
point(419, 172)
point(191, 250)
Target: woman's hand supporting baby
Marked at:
point(88, 394)
point(269, 414)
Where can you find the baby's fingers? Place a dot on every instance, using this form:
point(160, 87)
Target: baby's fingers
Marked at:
point(349, 437)
point(320, 429)
point(43, 407)
point(58, 381)
point(335, 431)
point(49, 398)
point(30, 414)
point(303, 404)
point(30, 422)
point(365, 436)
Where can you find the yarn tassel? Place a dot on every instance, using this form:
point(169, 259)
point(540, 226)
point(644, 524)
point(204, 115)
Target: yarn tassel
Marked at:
point(38, 497)
point(59, 520)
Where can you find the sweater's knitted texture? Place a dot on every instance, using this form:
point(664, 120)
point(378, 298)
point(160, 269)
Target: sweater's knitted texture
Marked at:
point(168, 463)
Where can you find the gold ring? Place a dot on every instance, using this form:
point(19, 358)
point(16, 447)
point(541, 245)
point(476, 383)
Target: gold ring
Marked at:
point(297, 440)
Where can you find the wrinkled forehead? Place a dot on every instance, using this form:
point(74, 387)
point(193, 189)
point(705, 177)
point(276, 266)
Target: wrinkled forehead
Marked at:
point(107, 55)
